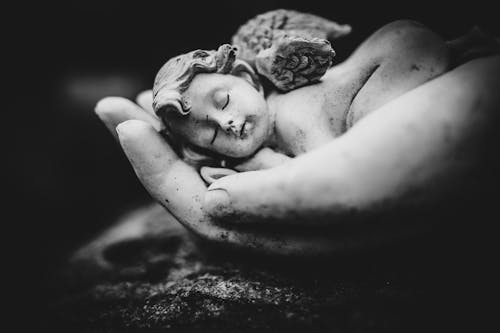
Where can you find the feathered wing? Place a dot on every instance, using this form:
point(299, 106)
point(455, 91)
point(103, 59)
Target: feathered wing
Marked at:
point(290, 48)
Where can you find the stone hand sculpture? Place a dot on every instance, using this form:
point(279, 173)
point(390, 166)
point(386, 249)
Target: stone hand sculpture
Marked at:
point(289, 48)
point(385, 125)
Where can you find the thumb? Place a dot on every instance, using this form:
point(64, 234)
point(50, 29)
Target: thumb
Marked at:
point(250, 197)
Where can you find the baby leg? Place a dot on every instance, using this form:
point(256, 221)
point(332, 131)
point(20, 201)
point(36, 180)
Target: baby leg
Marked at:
point(399, 57)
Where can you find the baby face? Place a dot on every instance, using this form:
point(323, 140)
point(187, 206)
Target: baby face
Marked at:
point(227, 115)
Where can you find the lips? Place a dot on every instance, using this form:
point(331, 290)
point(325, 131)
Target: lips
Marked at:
point(242, 130)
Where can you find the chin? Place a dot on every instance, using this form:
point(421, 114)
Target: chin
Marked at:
point(240, 153)
point(245, 150)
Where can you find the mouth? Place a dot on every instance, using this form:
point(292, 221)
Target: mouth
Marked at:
point(242, 131)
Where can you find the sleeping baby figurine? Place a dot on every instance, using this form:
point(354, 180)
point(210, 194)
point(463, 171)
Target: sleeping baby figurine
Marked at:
point(216, 113)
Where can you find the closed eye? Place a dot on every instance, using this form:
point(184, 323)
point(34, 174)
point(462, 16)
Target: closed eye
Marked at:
point(227, 102)
point(215, 135)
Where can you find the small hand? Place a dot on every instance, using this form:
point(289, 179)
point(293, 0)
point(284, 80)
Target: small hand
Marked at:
point(265, 158)
point(211, 174)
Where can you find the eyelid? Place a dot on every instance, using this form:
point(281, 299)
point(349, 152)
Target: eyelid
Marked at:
point(215, 135)
point(227, 101)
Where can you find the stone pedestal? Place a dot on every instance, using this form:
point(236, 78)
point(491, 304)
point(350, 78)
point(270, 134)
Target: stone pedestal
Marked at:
point(147, 273)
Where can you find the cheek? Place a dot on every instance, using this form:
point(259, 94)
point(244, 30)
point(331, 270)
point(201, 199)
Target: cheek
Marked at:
point(261, 123)
point(196, 134)
point(262, 114)
point(234, 147)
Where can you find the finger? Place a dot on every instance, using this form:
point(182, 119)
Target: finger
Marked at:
point(246, 198)
point(173, 183)
point(249, 165)
point(255, 197)
point(115, 110)
point(313, 242)
point(281, 243)
point(210, 174)
point(265, 158)
point(145, 101)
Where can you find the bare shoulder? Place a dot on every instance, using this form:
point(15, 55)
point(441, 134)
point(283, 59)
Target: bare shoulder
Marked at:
point(405, 33)
point(402, 39)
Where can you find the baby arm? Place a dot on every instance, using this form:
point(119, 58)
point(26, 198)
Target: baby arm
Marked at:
point(265, 158)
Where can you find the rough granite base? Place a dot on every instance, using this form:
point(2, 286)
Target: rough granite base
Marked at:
point(148, 273)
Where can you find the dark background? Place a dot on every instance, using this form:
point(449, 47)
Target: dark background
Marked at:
point(66, 177)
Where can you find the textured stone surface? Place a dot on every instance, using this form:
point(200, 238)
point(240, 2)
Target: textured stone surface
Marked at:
point(147, 273)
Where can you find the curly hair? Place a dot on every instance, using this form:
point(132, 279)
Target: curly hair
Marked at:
point(174, 78)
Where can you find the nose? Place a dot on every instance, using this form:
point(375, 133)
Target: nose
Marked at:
point(231, 124)
point(233, 127)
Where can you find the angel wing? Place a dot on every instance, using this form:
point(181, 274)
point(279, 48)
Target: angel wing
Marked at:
point(289, 48)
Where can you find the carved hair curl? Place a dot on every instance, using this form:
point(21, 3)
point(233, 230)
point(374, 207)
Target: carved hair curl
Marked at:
point(175, 76)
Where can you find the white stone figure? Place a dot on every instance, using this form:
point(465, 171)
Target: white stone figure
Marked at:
point(398, 123)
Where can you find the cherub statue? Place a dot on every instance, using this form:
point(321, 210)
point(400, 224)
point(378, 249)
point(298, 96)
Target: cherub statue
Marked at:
point(365, 137)
point(226, 116)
